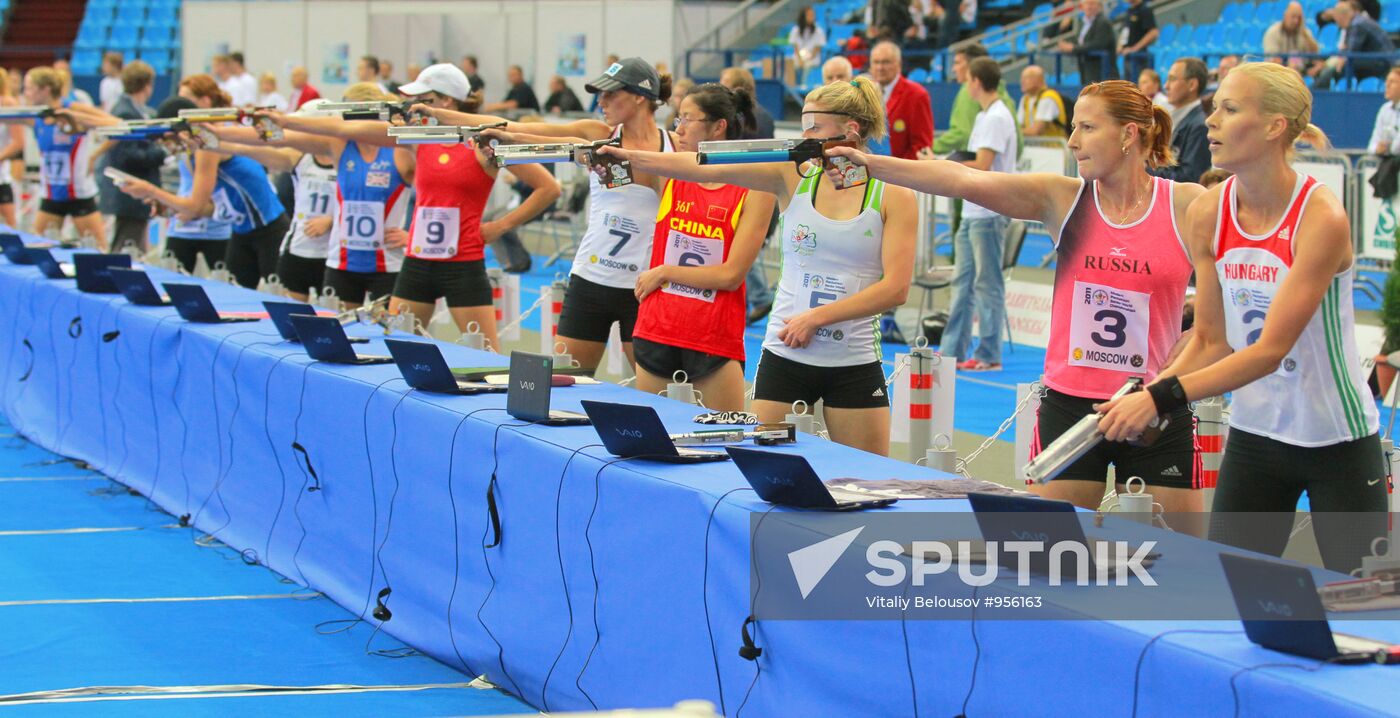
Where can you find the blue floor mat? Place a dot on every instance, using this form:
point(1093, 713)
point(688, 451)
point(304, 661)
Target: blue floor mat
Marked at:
point(69, 504)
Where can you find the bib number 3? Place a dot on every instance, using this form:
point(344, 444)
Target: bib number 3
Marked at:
point(1109, 328)
point(435, 232)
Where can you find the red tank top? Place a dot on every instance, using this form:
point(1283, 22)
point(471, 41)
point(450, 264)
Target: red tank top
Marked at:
point(1119, 290)
point(695, 227)
point(450, 191)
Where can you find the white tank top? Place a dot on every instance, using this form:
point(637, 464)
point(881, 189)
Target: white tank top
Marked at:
point(616, 247)
point(824, 261)
point(315, 197)
point(1318, 394)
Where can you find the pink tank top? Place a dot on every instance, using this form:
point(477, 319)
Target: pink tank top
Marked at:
point(1118, 296)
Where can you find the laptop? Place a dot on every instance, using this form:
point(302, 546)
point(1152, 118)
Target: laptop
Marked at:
point(788, 480)
point(280, 313)
point(193, 304)
point(1004, 518)
point(15, 249)
point(1280, 610)
point(531, 380)
point(50, 267)
point(423, 367)
point(138, 288)
point(630, 430)
point(325, 340)
point(93, 271)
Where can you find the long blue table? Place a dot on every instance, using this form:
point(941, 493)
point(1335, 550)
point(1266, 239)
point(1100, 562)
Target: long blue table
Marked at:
point(615, 584)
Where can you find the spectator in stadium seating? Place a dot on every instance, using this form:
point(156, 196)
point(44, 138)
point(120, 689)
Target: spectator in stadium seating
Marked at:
point(142, 159)
point(386, 77)
point(520, 97)
point(1042, 110)
point(111, 88)
point(1360, 34)
point(302, 91)
point(1385, 136)
point(562, 98)
point(243, 87)
point(1370, 7)
point(837, 69)
point(737, 78)
point(1095, 44)
point(1150, 83)
point(1290, 35)
point(1142, 29)
point(807, 40)
point(891, 20)
point(908, 110)
point(965, 109)
point(268, 96)
point(469, 67)
point(1185, 80)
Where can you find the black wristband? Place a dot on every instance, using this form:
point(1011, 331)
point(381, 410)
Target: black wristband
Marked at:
point(1168, 395)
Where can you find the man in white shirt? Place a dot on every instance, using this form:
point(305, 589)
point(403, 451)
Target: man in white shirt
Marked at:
point(978, 285)
point(1041, 111)
point(110, 90)
point(242, 86)
point(1385, 138)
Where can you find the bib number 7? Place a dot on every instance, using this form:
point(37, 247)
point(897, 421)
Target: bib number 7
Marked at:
point(623, 239)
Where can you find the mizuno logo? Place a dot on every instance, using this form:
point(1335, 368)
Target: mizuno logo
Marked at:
point(1118, 252)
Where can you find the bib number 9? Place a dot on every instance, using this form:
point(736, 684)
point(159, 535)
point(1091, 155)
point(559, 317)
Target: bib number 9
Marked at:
point(435, 233)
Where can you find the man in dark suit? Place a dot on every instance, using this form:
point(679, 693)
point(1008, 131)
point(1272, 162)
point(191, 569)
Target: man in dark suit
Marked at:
point(1095, 44)
point(1185, 80)
point(142, 159)
point(1360, 34)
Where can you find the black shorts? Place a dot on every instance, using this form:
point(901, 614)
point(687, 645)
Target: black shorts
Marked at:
point(591, 308)
point(350, 287)
point(68, 208)
point(1172, 461)
point(301, 274)
point(664, 360)
point(7, 191)
point(463, 284)
point(841, 387)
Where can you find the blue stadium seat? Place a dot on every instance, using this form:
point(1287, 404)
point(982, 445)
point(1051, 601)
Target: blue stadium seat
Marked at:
point(153, 39)
point(131, 20)
point(159, 60)
point(90, 37)
point(1166, 34)
point(124, 36)
point(86, 62)
point(1327, 38)
point(100, 8)
point(919, 75)
point(1044, 9)
point(1370, 84)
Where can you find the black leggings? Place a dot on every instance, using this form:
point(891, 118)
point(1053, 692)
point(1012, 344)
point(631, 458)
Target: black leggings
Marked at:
point(187, 250)
point(130, 231)
point(1261, 480)
point(252, 256)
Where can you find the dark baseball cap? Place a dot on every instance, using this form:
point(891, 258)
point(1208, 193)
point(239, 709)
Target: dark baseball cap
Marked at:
point(632, 74)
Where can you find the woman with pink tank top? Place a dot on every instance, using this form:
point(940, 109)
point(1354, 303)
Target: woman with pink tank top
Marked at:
point(1120, 279)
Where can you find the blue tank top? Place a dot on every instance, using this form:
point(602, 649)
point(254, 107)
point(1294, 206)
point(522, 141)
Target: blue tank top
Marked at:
point(371, 196)
point(66, 169)
point(243, 189)
point(212, 228)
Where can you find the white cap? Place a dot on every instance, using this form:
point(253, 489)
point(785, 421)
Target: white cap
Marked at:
point(443, 78)
point(312, 108)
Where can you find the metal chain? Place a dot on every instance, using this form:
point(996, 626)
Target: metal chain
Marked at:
point(529, 310)
point(1037, 391)
point(899, 368)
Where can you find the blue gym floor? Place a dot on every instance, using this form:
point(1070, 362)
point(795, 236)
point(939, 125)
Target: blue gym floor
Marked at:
point(85, 564)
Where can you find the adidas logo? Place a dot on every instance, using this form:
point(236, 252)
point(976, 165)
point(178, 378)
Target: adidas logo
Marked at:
point(1283, 234)
point(1172, 471)
point(879, 392)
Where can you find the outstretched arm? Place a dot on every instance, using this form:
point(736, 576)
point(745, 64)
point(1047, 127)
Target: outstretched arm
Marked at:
point(301, 141)
point(367, 132)
point(277, 159)
point(1038, 197)
point(775, 178)
point(590, 129)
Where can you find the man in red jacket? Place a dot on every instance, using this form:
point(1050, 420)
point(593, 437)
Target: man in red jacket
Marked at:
point(302, 91)
point(907, 107)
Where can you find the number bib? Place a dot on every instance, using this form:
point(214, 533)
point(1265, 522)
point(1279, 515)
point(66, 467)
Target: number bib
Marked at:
point(187, 228)
point(362, 225)
point(818, 289)
point(1109, 328)
point(58, 168)
point(435, 232)
point(316, 199)
point(683, 250)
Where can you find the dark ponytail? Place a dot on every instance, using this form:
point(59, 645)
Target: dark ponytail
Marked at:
point(735, 107)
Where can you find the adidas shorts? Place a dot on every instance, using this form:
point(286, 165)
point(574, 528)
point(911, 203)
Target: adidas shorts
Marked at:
point(1171, 461)
point(841, 387)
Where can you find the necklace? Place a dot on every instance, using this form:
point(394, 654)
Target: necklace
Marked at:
point(1134, 208)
